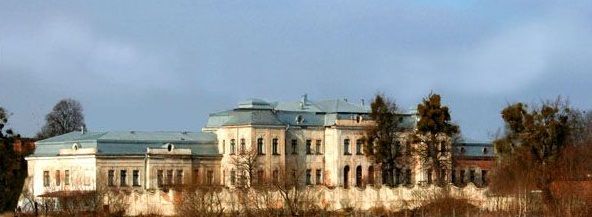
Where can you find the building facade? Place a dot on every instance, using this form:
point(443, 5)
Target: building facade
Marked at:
point(320, 141)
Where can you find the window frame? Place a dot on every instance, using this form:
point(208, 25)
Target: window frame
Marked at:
point(136, 178)
point(123, 178)
point(274, 146)
point(58, 177)
point(346, 146)
point(309, 147)
point(46, 178)
point(319, 146)
point(111, 178)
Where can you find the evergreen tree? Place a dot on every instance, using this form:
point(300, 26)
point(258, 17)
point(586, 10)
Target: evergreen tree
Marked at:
point(383, 137)
point(434, 137)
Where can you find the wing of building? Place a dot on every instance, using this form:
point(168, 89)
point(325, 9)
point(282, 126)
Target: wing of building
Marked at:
point(315, 142)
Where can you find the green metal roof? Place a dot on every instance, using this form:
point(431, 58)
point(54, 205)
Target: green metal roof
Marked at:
point(129, 142)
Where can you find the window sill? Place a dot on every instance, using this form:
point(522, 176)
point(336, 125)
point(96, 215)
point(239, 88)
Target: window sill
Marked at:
point(347, 154)
point(276, 154)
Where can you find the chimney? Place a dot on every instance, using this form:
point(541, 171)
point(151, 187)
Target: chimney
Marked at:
point(362, 102)
point(304, 99)
point(82, 130)
point(345, 99)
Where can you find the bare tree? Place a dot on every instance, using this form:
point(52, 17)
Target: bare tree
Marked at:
point(297, 197)
point(246, 162)
point(66, 116)
point(200, 201)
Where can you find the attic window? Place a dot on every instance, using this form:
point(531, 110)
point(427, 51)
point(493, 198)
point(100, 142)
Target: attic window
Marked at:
point(170, 147)
point(299, 119)
point(75, 146)
point(462, 150)
point(485, 150)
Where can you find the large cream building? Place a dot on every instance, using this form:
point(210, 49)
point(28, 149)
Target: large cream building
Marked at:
point(322, 140)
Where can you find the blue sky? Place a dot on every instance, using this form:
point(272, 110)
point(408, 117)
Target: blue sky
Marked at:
point(155, 65)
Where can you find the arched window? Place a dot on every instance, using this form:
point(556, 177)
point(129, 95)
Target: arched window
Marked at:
point(371, 175)
point(346, 176)
point(232, 146)
point(346, 147)
point(359, 176)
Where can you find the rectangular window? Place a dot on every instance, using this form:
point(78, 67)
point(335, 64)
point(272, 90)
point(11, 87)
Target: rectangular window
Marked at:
point(232, 177)
point(453, 177)
point(136, 177)
point(408, 176)
point(274, 144)
point(294, 146)
point(359, 144)
point(472, 176)
point(210, 177)
point(260, 147)
point(179, 177)
point(58, 178)
point(462, 176)
point(484, 176)
point(46, 178)
point(308, 177)
point(159, 178)
point(319, 177)
point(243, 146)
point(123, 178)
point(319, 146)
point(429, 176)
point(111, 177)
point(232, 146)
point(276, 176)
point(66, 177)
point(196, 177)
point(169, 177)
point(308, 146)
point(260, 176)
point(346, 147)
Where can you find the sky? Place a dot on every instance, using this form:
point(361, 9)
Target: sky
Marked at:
point(165, 65)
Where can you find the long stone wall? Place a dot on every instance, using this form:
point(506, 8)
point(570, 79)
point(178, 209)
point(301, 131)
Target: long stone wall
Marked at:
point(163, 203)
